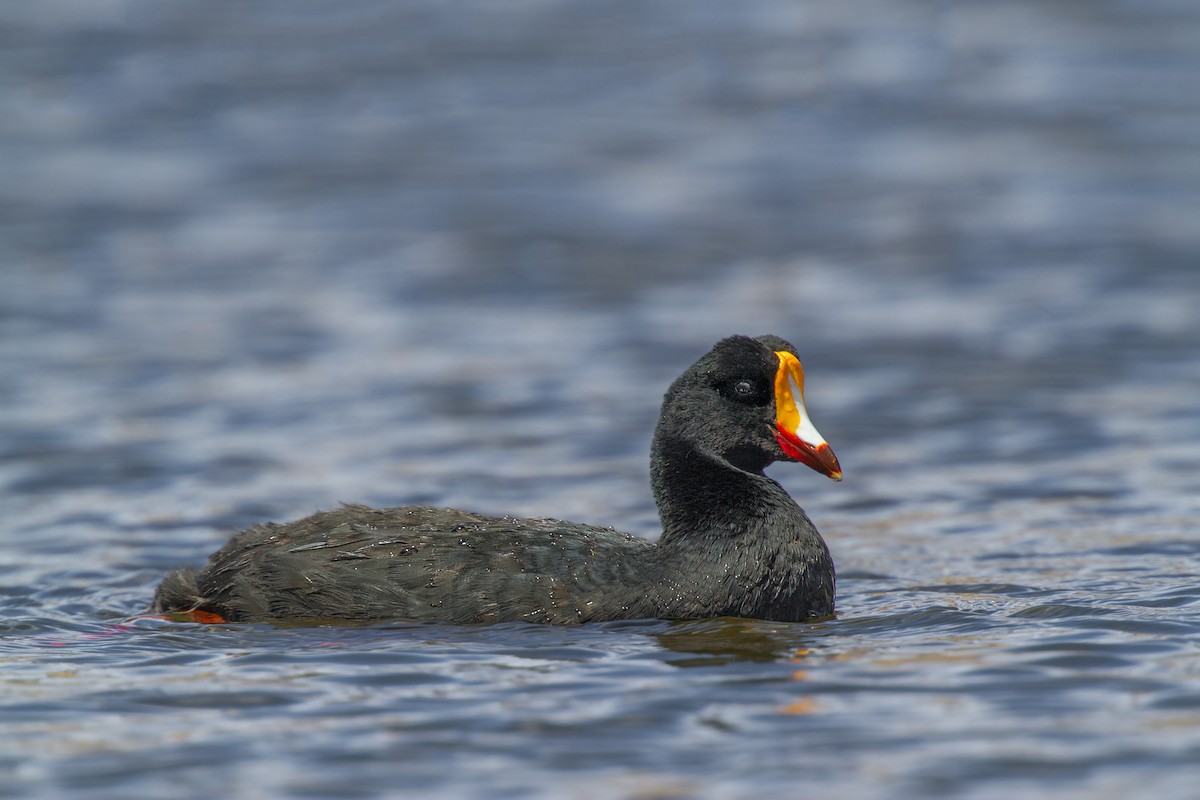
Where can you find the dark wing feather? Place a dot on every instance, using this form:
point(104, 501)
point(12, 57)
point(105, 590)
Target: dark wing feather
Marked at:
point(415, 562)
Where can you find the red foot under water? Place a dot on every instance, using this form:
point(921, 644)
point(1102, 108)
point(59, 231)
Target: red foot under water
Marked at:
point(204, 617)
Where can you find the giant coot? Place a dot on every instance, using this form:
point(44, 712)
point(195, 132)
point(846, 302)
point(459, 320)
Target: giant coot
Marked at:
point(734, 543)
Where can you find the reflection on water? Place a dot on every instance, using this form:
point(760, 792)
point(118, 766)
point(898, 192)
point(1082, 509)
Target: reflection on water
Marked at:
point(726, 641)
point(261, 259)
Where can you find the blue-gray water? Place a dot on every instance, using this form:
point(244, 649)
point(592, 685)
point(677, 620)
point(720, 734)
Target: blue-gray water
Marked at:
point(257, 258)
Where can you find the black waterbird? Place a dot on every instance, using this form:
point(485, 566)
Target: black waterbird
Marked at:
point(734, 543)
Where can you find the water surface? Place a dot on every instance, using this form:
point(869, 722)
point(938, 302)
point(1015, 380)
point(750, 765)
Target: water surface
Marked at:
point(259, 259)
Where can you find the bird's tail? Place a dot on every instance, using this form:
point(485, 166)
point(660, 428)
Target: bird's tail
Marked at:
point(179, 591)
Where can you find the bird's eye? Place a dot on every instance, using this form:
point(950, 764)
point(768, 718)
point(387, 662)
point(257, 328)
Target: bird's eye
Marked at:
point(745, 390)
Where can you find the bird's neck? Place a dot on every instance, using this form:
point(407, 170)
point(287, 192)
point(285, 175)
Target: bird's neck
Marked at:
point(700, 493)
point(730, 532)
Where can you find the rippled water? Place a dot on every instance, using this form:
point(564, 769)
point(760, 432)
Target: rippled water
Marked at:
point(259, 258)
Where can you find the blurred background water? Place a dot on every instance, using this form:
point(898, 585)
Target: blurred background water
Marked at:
point(261, 257)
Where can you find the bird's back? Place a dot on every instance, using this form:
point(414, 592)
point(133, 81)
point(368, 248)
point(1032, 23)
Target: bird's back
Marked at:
point(418, 563)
